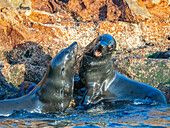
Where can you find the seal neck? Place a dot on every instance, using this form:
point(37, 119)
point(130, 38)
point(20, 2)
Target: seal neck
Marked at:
point(102, 64)
point(97, 61)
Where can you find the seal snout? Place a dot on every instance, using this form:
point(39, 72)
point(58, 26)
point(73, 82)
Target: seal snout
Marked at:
point(74, 47)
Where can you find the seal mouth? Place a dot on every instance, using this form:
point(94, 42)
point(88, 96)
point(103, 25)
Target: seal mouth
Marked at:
point(102, 50)
point(105, 44)
point(98, 53)
point(99, 50)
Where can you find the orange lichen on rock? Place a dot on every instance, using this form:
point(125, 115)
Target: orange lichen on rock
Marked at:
point(159, 9)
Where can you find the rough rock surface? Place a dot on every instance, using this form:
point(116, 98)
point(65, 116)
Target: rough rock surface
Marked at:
point(34, 59)
point(34, 31)
point(6, 89)
point(14, 73)
point(137, 65)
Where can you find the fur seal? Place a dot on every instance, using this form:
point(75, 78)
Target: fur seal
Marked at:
point(54, 92)
point(103, 83)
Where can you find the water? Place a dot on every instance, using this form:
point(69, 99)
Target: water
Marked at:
point(128, 115)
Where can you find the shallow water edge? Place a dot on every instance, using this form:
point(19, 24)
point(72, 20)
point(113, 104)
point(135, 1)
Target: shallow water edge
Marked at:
point(97, 117)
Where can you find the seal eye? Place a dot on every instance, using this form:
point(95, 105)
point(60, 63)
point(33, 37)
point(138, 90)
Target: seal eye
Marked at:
point(63, 70)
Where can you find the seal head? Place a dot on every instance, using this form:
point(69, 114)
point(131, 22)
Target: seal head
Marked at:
point(56, 90)
point(101, 46)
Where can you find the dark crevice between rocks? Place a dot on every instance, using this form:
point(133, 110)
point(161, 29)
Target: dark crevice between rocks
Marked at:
point(51, 7)
point(103, 13)
point(64, 1)
point(75, 16)
point(149, 44)
point(160, 55)
point(123, 6)
point(118, 2)
point(83, 5)
point(28, 53)
point(23, 8)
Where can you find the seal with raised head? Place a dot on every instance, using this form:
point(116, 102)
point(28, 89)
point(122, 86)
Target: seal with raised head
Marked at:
point(103, 83)
point(54, 92)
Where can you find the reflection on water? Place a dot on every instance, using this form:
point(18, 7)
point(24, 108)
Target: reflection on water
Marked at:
point(96, 117)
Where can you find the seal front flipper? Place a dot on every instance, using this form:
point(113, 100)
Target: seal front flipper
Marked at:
point(92, 95)
point(87, 98)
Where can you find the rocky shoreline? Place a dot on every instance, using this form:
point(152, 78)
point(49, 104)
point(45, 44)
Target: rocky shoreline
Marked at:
point(33, 31)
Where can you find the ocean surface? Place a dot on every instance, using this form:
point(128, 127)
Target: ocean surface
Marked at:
point(136, 114)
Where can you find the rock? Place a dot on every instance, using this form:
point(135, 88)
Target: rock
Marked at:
point(154, 72)
point(35, 60)
point(53, 24)
point(95, 10)
point(34, 31)
point(138, 9)
point(6, 89)
point(159, 9)
point(20, 3)
point(123, 32)
point(14, 74)
point(164, 55)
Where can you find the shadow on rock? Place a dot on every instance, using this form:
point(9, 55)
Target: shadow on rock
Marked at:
point(33, 57)
point(165, 87)
point(6, 89)
point(162, 55)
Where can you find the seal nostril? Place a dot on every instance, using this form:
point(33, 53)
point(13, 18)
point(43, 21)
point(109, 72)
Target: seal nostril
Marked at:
point(63, 69)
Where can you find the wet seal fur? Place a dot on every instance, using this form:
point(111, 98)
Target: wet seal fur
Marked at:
point(54, 92)
point(103, 83)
